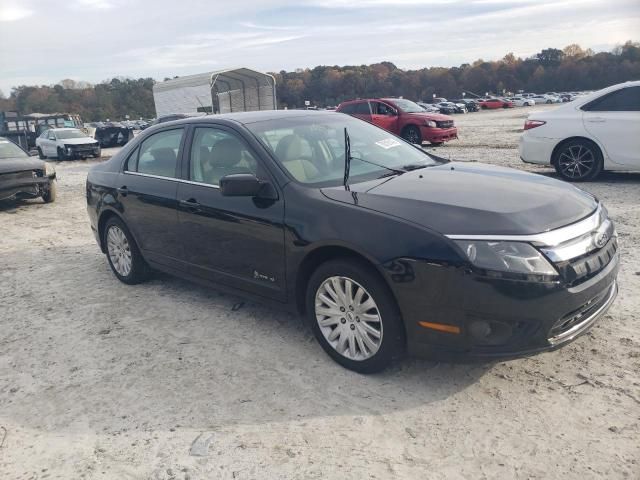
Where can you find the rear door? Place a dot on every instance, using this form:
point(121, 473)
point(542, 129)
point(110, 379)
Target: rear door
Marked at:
point(384, 116)
point(362, 111)
point(147, 191)
point(236, 241)
point(614, 120)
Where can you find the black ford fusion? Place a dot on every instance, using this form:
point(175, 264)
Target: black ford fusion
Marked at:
point(383, 247)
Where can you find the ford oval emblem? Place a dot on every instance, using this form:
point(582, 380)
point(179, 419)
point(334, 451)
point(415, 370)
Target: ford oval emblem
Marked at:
point(600, 239)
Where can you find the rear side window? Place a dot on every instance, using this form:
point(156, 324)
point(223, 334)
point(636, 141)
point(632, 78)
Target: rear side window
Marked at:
point(348, 109)
point(362, 109)
point(158, 154)
point(623, 100)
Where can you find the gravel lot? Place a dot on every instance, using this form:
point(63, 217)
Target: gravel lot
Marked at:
point(167, 380)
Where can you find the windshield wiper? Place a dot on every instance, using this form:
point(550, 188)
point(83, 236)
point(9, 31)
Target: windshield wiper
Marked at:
point(415, 166)
point(348, 157)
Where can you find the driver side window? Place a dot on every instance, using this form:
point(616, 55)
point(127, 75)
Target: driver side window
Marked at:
point(216, 153)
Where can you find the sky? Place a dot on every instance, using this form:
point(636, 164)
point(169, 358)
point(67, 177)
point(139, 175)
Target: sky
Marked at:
point(45, 41)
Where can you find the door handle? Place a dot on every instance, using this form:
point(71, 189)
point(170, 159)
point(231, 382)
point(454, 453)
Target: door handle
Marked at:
point(596, 120)
point(191, 205)
point(123, 190)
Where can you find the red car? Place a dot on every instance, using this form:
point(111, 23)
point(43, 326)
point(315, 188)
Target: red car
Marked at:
point(490, 103)
point(404, 118)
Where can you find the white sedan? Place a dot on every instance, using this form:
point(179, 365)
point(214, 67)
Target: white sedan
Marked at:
point(542, 99)
point(66, 143)
point(523, 102)
point(599, 131)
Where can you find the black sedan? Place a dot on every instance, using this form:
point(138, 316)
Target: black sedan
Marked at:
point(383, 247)
point(22, 176)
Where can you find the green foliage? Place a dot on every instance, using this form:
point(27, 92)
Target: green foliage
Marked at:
point(550, 70)
point(111, 99)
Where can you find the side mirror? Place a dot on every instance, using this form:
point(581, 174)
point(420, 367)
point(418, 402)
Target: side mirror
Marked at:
point(246, 185)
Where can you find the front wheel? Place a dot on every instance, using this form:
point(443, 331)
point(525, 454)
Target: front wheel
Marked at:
point(61, 155)
point(41, 155)
point(51, 193)
point(578, 161)
point(412, 135)
point(123, 254)
point(353, 316)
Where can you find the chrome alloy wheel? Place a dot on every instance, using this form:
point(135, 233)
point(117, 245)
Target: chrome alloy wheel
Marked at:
point(349, 318)
point(577, 161)
point(119, 251)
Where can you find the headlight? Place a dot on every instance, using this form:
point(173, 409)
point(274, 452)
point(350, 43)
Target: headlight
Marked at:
point(511, 257)
point(49, 170)
point(430, 123)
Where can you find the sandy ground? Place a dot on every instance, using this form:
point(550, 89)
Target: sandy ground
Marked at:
point(166, 380)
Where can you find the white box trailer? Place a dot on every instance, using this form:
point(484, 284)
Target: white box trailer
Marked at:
point(223, 91)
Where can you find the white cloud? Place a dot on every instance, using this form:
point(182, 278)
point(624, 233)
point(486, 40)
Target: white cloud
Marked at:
point(12, 13)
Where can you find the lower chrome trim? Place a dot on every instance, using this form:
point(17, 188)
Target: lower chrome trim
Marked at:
point(577, 329)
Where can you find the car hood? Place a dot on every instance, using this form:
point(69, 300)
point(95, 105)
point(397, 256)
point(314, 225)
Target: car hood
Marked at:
point(8, 165)
point(472, 199)
point(77, 141)
point(430, 116)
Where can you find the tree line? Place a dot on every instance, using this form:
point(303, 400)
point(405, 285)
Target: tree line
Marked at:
point(569, 69)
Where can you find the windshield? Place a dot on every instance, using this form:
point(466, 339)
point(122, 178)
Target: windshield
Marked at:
point(312, 148)
point(9, 149)
point(406, 106)
point(64, 134)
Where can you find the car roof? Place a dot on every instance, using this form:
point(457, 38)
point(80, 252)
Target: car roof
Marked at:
point(253, 117)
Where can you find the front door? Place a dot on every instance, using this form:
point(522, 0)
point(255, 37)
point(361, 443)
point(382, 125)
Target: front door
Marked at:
point(147, 192)
point(384, 116)
point(614, 119)
point(49, 144)
point(237, 241)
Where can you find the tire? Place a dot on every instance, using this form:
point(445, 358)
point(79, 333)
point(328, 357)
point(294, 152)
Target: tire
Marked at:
point(98, 155)
point(368, 353)
point(578, 160)
point(41, 155)
point(412, 135)
point(123, 254)
point(549, 102)
point(61, 155)
point(51, 193)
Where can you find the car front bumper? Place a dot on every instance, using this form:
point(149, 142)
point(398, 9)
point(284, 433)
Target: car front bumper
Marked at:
point(438, 135)
point(11, 186)
point(523, 317)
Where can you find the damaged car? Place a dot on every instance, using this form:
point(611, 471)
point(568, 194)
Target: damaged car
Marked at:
point(66, 144)
point(22, 176)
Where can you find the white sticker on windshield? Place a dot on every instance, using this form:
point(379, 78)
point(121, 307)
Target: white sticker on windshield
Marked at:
point(388, 143)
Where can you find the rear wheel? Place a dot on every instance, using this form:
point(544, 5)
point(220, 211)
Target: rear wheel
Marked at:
point(412, 134)
point(123, 254)
point(578, 160)
point(353, 316)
